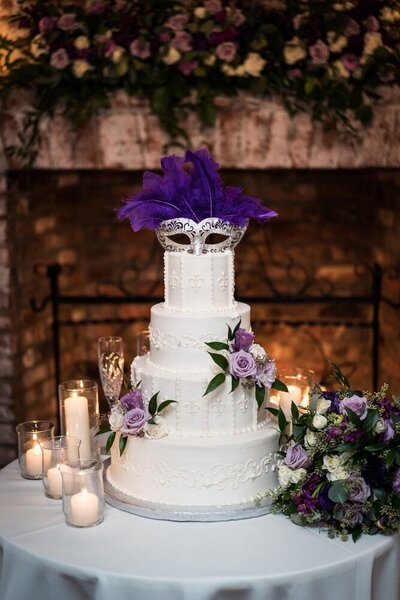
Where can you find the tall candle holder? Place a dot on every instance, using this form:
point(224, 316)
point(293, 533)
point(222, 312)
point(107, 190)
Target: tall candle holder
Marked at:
point(56, 452)
point(30, 434)
point(299, 382)
point(79, 414)
point(83, 492)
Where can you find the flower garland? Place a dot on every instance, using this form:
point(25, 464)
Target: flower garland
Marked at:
point(328, 57)
point(340, 468)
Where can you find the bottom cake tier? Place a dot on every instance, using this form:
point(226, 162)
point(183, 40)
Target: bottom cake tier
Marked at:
point(198, 472)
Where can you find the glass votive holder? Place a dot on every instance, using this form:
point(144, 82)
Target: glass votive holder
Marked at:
point(79, 414)
point(56, 452)
point(299, 382)
point(83, 492)
point(142, 342)
point(30, 434)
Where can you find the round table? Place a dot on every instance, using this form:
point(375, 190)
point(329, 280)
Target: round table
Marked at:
point(130, 557)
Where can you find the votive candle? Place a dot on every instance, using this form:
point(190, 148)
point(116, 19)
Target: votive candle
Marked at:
point(84, 508)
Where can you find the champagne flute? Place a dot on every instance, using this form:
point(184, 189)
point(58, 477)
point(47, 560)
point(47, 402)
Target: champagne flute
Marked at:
point(111, 366)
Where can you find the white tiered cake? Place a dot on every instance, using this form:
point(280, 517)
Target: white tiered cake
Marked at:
point(219, 451)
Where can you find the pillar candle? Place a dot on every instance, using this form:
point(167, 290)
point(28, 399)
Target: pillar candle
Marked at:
point(77, 422)
point(54, 481)
point(34, 461)
point(84, 508)
point(293, 394)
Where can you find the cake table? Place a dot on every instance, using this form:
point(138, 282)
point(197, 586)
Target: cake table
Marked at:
point(265, 558)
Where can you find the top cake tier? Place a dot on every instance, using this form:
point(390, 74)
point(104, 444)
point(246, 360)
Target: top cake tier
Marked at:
point(203, 283)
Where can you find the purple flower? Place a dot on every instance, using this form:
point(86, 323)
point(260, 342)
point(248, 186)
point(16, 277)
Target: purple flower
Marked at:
point(59, 59)
point(226, 51)
point(96, 7)
point(305, 502)
point(135, 420)
point(396, 482)
point(355, 403)
point(353, 435)
point(334, 400)
point(352, 514)
point(350, 62)
point(177, 22)
point(319, 53)
point(165, 37)
point(296, 457)
point(242, 364)
point(266, 373)
point(351, 28)
point(373, 471)
point(46, 24)
point(109, 48)
point(132, 399)
point(140, 49)
point(294, 74)
point(188, 67)
point(213, 6)
point(324, 501)
point(243, 340)
point(372, 24)
point(358, 488)
point(67, 22)
point(182, 41)
point(218, 37)
point(389, 431)
point(332, 433)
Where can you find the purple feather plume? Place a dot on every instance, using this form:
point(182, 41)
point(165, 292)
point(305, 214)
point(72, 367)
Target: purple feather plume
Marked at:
point(190, 188)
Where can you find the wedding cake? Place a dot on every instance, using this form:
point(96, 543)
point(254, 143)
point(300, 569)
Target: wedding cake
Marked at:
point(194, 433)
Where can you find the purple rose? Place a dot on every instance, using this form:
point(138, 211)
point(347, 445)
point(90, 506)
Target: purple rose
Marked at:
point(358, 488)
point(351, 28)
point(213, 6)
point(226, 51)
point(135, 420)
point(388, 434)
point(296, 457)
point(109, 48)
point(319, 53)
point(182, 41)
point(132, 399)
point(177, 22)
point(243, 340)
point(355, 403)
point(96, 7)
point(188, 67)
point(396, 482)
point(67, 22)
point(372, 24)
point(140, 49)
point(242, 364)
point(350, 62)
point(59, 59)
point(46, 24)
point(266, 373)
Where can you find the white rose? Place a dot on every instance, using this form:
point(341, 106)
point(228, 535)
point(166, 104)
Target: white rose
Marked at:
point(339, 473)
point(258, 352)
point(380, 426)
point(116, 419)
point(293, 51)
point(336, 43)
point(310, 439)
point(322, 406)
point(331, 462)
point(253, 65)
point(340, 69)
point(117, 55)
point(297, 475)
point(156, 430)
point(284, 475)
point(390, 14)
point(80, 67)
point(38, 46)
point(372, 41)
point(210, 60)
point(319, 421)
point(81, 42)
point(172, 56)
point(200, 12)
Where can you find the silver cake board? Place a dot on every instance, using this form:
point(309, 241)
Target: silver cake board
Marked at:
point(165, 512)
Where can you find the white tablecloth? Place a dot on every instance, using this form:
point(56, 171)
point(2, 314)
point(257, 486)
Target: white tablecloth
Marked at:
point(128, 557)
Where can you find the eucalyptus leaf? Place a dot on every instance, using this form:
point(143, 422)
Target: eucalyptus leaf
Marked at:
point(164, 405)
point(217, 345)
point(298, 519)
point(215, 382)
point(220, 360)
point(338, 492)
point(260, 395)
point(153, 404)
point(110, 441)
point(122, 443)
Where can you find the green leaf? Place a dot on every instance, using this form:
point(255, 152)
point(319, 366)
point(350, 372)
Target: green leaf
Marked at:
point(338, 492)
point(338, 375)
point(215, 382)
point(153, 404)
point(110, 441)
point(122, 443)
point(104, 429)
point(236, 327)
point(230, 334)
point(294, 410)
point(164, 405)
point(299, 431)
point(356, 533)
point(273, 411)
point(235, 383)
point(391, 455)
point(353, 417)
point(371, 420)
point(375, 447)
point(217, 345)
point(282, 422)
point(220, 360)
point(260, 395)
point(280, 386)
point(344, 447)
point(298, 519)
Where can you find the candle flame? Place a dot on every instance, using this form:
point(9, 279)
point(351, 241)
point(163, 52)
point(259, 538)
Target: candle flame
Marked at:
point(34, 437)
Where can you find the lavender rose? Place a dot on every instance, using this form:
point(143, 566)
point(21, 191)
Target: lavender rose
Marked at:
point(296, 457)
point(359, 489)
point(182, 41)
point(350, 62)
point(355, 403)
point(139, 49)
point(177, 22)
point(396, 482)
point(389, 431)
point(243, 340)
point(132, 399)
point(319, 53)
point(135, 421)
point(67, 22)
point(46, 24)
point(226, 51)
point(59, 59)
point(242, 364)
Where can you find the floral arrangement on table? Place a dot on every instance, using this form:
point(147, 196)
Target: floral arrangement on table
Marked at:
point(328, 58)
point(340, 467)
point(130, 416)
point(245, 362)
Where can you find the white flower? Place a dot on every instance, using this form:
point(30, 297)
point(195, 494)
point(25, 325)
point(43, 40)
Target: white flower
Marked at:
point(116, 418)
point(156, 430)
point(331, 462)
point(372, 41)
point(310, 439)
point(253, 65)
point(82, 42)
point(319, 421)
point(339, 473)
point(172, 56)
point(335, 464)
point(322, 406)
point(336, 42)
point(293, 51)
point(38, 46)
point(340, 69)
point(80, 67)
point(117, 55)
point(258, 353)
point(284, 475)
point(200, 12)
point(390, 15)
point(210, 60)
point(297, 475)
point(380, 426)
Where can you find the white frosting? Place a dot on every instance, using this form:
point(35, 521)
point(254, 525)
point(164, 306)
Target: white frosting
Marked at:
point(203, 283)
point(196, 472)
point(178, 339)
